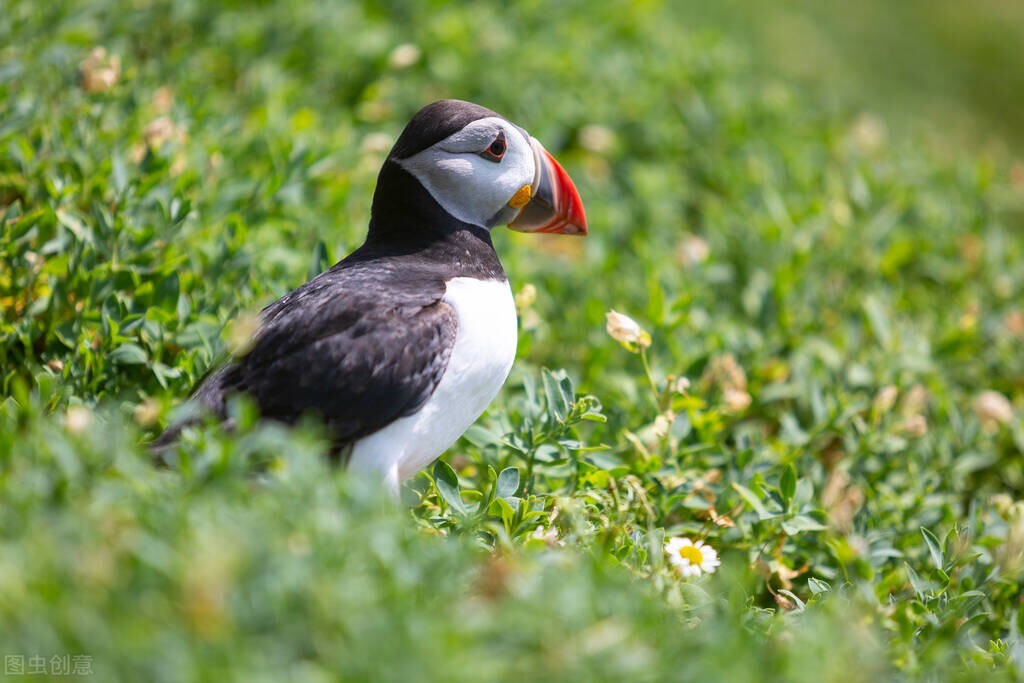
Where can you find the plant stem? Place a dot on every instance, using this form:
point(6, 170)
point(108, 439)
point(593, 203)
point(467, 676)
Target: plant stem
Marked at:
point(650, 376)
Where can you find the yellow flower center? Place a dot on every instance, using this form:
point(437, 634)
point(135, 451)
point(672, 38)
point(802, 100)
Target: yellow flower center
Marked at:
point(691, 553)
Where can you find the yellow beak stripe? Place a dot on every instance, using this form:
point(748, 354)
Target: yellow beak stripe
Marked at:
point(521, 197)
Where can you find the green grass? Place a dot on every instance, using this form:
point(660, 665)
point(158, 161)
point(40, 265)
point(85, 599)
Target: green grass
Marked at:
point(860, 290)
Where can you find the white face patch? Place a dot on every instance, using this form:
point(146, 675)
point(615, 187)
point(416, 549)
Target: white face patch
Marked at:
point(467, 185)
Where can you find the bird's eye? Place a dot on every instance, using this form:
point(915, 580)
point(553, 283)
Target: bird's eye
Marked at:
point(496, 150)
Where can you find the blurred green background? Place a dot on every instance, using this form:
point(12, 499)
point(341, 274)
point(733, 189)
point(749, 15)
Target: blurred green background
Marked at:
point(957, 68)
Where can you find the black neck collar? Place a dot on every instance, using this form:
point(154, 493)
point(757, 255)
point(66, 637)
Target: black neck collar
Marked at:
point(406, 220)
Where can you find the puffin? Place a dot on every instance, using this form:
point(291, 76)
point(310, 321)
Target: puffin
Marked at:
point(400, 346)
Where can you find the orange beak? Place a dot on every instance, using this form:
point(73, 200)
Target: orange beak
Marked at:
point(555, 205)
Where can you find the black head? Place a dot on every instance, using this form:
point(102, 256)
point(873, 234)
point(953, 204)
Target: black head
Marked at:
point(458, 164)
point(434, 123)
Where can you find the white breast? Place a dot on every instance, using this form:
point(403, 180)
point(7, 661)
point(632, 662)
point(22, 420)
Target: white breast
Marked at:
point(485, 346)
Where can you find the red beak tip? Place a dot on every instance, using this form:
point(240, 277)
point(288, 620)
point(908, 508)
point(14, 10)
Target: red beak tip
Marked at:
point(560, 210)
point(580, 221)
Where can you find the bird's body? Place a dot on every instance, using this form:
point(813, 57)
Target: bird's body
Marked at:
point(479, 362)
point(400, 346)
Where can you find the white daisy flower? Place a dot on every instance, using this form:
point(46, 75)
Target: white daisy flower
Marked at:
point(691, 558)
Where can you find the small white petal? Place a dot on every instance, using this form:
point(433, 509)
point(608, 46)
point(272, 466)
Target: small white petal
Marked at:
point(622, 328)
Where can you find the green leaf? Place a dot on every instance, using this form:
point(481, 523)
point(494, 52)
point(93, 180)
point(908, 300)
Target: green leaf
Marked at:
point(800, 605)
point(447, 483)
point(554, 391)
point(800, 523)
point(591, 408)
point(568, 394)
point(791, 432)
point(934, 548)
point(787, 484)
point(817, 586)
point(129, 354)
point(481, 437)
point(164, 373)
point(508, 482)
point(878, 319)
point(503, 509)
point(915, 581)
point(178, 210)
point(167, 291)
point(751, 498)
point(118, 173)
point(531, 405)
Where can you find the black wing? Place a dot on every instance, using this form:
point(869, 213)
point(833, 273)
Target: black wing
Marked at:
point(359, 348)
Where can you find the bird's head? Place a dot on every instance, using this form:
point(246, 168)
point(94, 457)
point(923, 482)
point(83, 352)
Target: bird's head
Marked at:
point(486, 171)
